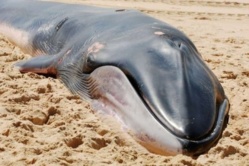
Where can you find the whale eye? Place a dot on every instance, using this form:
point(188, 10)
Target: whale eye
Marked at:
point(90, 59)
point(91, 55)
point(89, 63)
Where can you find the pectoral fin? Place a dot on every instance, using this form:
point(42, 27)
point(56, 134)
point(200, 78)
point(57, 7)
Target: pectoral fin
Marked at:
point(44, 64)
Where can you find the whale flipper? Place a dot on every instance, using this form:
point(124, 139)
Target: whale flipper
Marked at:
point(43, 64)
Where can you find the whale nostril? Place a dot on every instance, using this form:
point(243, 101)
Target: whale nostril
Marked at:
point(120, 10)
point(178, 44)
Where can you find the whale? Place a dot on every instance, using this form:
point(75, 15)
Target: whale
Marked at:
point(145, 73)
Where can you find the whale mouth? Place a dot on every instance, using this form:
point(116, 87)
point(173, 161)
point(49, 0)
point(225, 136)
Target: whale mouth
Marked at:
point(197, 147)
point(110, 92)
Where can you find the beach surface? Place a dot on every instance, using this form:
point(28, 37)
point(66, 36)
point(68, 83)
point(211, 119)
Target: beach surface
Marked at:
point(42, 123)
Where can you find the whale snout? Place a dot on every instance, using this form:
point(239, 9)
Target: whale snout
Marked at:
point(185, 103)
point(185, 97)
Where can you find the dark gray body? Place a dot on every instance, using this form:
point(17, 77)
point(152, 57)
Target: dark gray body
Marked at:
point(177, 90)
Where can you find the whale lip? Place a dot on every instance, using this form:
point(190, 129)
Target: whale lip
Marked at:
point(197, 147)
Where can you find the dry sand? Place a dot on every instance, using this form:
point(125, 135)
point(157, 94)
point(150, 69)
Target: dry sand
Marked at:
point(41, 123)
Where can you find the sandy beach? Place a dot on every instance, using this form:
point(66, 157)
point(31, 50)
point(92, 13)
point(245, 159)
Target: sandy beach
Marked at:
point(42, 123)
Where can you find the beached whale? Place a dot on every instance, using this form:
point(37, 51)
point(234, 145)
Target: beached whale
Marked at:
point(142, 71)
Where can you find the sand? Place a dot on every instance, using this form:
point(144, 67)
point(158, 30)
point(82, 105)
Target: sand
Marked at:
point(42, 123)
